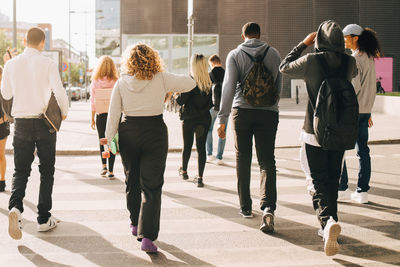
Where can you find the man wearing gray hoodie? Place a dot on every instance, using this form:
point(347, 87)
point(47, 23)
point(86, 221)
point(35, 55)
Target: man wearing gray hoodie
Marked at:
point(325, 165)
point(249, 121)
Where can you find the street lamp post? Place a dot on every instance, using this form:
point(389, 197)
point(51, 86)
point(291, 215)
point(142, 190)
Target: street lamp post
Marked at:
point(15, 24)
point(190, 31)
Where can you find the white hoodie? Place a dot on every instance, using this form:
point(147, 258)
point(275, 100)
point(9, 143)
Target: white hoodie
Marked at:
point(134, 97)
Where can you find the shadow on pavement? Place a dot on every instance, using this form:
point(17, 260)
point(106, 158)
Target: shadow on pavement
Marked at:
point(37, 259)
point(93, 246)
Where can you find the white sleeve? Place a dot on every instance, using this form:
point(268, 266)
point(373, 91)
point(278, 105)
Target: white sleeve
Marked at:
point(178, 82)
point(114, 113)
point(58, 89)
point(6, 89)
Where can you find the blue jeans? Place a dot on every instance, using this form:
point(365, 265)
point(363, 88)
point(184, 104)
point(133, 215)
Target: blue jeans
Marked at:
point(209, 142)
point(364, 171)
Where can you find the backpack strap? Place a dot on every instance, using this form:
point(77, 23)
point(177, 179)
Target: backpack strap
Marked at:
point(259, 58)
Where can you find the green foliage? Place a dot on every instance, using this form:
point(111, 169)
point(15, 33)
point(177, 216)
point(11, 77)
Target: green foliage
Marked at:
point(390, 94)
point(74, 72)
point(7, 43)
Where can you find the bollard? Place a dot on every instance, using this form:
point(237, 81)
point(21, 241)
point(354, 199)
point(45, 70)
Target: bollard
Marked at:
point(297, 94)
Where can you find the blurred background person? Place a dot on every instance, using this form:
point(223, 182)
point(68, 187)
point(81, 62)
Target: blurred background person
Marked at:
point(104, 78)
point(217, 77)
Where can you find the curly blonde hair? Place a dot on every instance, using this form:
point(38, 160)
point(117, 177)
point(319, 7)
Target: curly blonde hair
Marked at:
point(105, 68)
point(142, 61)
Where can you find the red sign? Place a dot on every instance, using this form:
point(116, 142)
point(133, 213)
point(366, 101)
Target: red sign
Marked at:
point(64, 66)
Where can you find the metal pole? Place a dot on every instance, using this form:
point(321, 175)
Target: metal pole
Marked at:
point(15, 24)
point(190, 31)
point(69, 50)
point(190, 40)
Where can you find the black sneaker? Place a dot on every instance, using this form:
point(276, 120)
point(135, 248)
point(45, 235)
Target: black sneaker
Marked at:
point(267, 224)
point(183, 174)
point(246, 213)
point(199, 181)
point(2, 186)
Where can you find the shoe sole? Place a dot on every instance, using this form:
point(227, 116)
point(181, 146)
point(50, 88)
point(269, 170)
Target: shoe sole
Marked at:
point(331, 246)
point(13, 227)
point(149, 251)
point(268, 226)
point(246, 216)
point(39, 229)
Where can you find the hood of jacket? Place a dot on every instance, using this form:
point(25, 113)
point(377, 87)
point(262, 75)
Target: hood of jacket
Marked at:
point(253, 47)
point(329, 37)
point(131, 83)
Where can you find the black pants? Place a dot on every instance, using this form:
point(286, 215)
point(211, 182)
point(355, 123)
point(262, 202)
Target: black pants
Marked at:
point(262, 124)
point(30, 134)
point(101, 121)
point(325, 167)
point(199, 127)
point(143, 143)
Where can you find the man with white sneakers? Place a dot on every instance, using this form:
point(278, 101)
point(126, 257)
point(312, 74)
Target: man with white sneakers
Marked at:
point(29, 79)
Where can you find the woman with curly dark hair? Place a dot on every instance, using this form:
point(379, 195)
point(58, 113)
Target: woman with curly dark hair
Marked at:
point(143, 139)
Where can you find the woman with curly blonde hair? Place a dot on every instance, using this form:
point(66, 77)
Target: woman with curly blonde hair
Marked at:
point(105, 75)
point(143, 140)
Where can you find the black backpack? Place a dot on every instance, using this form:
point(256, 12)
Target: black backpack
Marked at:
point(336, 109)
point(258, 87)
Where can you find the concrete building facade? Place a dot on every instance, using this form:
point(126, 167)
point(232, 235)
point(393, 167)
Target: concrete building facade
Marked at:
point(283, 23)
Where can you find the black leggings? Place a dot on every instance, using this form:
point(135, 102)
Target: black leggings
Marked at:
point(101, 120)
point(200, 128)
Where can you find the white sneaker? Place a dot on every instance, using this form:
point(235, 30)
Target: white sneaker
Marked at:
point(344, 195)
point(210, 158)
point(361, 197)
point(331, 233)
point(50, 224)
point(220, 162)
point(15, 224)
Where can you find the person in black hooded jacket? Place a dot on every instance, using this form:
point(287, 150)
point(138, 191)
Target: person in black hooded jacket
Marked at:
point(324, 165)
point(195, 114)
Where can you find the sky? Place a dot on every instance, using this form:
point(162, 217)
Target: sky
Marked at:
point(56, 13)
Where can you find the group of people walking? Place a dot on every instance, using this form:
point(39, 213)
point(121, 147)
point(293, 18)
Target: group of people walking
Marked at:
point(131, 105)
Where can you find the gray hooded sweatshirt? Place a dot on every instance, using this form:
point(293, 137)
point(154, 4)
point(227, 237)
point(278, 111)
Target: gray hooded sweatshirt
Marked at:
point(238, 65)
point(329, 42)
point(134, 97)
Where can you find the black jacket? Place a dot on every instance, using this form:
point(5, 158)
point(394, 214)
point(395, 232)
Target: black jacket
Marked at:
point(194, 104)
point(217, 77)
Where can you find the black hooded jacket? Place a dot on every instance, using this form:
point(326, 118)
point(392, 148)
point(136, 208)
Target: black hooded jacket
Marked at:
point(329, 42)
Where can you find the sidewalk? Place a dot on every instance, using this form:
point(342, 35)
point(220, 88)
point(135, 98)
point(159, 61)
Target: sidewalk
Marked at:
point(77, 138)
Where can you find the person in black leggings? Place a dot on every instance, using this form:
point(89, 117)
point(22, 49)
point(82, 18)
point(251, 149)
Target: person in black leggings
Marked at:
point(195, 114)
point(101, 120)
point(105, 75)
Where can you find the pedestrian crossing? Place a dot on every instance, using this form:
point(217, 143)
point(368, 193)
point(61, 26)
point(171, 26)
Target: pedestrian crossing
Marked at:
point(199, 226)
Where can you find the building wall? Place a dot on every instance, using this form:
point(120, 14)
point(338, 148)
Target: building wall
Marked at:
point(284, 23)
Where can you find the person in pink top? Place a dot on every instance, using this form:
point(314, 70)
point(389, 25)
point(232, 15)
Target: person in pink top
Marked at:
point(104, 77)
